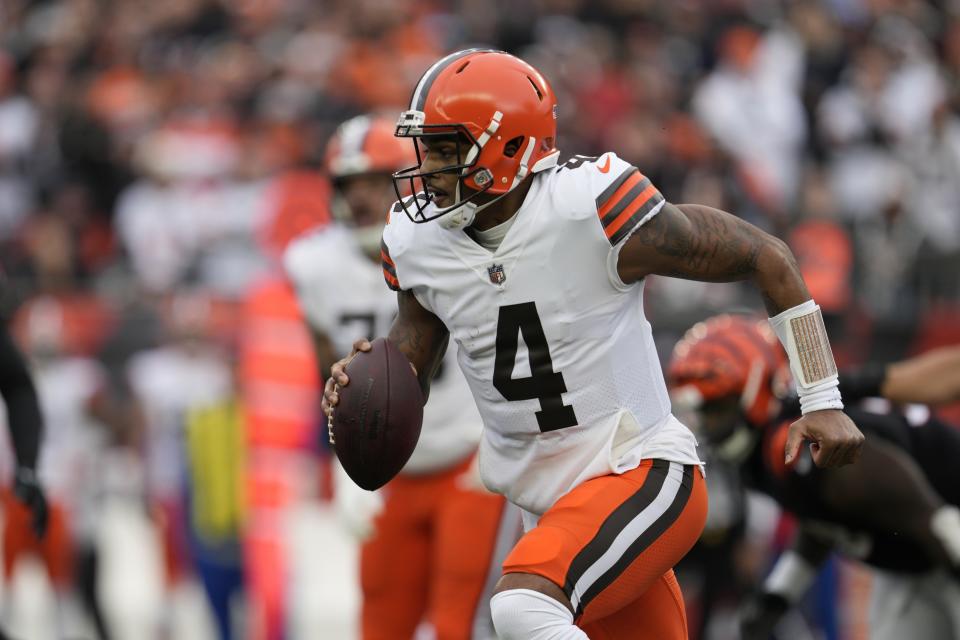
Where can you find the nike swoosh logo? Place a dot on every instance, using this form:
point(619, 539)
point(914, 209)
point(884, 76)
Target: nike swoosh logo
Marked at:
point(606, 166)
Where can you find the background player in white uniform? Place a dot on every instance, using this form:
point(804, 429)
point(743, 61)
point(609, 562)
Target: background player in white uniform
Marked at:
point(430, 534)
point(578, 428)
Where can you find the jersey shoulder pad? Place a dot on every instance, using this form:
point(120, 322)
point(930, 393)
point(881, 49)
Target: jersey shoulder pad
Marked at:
point(398, 236)
point(617, 193)
point(399, 232)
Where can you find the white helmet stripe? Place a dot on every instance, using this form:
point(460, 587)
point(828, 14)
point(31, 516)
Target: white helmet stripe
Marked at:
point(353, 133)
point(351, 158)
point(484, 138)
point(524, 163)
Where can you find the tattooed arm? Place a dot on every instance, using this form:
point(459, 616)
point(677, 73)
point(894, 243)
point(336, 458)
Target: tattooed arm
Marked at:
point(700, 243)
point(419, 334)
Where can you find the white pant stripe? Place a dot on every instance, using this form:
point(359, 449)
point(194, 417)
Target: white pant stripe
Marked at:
point(630, 533)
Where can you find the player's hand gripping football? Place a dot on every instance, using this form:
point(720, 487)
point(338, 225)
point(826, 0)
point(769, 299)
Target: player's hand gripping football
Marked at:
point(834, 439)
point(28, 491)
point(338, 378)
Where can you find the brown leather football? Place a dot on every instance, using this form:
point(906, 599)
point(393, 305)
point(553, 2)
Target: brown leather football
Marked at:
point(377, 421)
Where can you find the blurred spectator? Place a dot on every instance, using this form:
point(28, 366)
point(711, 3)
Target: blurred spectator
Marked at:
point(750, 103)
point(187, 373)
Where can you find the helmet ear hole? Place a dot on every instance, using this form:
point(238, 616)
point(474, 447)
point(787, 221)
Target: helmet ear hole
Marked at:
point(512, 146)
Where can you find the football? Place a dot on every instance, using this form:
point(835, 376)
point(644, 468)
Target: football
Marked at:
point(377, 422)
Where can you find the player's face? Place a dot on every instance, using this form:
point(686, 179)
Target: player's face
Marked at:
point(437, 153)
point(368, 197)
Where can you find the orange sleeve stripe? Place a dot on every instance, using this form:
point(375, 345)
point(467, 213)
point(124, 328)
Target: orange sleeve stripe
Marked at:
point(385, 254)
point(618, 195)
point(628, 173)
point(638, 202)
point(392, 281)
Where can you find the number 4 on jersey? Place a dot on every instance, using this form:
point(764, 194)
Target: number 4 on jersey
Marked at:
point(544, 383)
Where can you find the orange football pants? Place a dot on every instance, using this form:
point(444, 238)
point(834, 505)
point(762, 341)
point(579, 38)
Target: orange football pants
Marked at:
point(431, 557)
point(611, 544)
point(55, 550)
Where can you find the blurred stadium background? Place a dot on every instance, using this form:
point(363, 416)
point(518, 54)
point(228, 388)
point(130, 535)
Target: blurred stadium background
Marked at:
point(155, 158)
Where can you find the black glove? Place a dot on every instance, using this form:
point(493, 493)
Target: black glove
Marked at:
point(759, 616)
point(865, 382)
point(29, 492)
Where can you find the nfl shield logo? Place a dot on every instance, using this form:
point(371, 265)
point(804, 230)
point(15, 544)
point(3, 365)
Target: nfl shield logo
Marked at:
point(497, 276)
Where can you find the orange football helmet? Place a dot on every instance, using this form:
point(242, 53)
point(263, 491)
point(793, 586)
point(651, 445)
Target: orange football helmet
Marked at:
point(486, 98)
point(364, 145)
point(732, 356)
point(360, 159)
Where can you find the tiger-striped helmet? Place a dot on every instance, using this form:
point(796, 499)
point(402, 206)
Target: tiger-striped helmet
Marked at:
point(731, 355)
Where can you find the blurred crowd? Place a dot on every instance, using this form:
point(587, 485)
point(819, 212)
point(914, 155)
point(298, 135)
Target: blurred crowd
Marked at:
point(156, 157)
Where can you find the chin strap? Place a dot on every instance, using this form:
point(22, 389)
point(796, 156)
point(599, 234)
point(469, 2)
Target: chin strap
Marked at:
point(464, 216)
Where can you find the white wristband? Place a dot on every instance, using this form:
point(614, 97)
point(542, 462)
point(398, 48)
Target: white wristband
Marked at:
point(791, 577)
point(825, 396)
point(803, 336)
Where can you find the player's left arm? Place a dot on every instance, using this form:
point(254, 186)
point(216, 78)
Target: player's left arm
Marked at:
point(697, 242)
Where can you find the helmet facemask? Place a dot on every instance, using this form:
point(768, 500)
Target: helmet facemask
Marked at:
point(462, 212)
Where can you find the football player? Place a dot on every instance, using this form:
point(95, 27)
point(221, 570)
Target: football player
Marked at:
point(26, 426)
point(433, 538)
point(895, 510)
point(536, 269)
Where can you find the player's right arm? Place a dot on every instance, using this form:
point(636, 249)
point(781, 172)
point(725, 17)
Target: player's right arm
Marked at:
point(323, 350)
point(419, 335)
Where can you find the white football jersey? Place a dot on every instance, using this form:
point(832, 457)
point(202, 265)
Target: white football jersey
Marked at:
point(341, 292)
point(556, 348)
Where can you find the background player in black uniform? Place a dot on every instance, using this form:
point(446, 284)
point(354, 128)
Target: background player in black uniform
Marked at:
point(26, 424)
point(896, 510)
